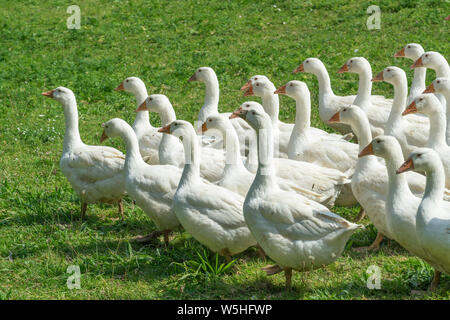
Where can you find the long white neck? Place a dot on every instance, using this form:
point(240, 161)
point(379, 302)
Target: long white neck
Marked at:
point(133, 158)
point(302, 112)
point(418, 83)
point(442, 69)
point(324, 81)
point(434, 191)
point(399, 104)
point(398, 184)
point(361, 128)
point(72, 137)
point(364, 87)
point(191, 171)
point(438, 123)
point(271, 104)
point(446, 94)
point(169, 143)
point(211, 104)
point(232, 149)
point(142, 117)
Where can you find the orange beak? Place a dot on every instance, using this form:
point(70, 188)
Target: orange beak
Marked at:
point(119, 87)
point(143, 106)
point(104, 136)
point(300, 68)
point(335, 118)
point(193, 78)
point(241, 113)
point(417, 64)
point(48, 94)
point(407, 166)
point(281, 90)
point(400, 53)
point(429, 89)
point(204, 127)
point(343, 69)
point(165, 129)
point(246, 86)
point(367, 151)
point(249, 91)
point(379, 77)
point(410, 109)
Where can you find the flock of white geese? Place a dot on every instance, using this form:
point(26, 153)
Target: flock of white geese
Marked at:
point(246, 178)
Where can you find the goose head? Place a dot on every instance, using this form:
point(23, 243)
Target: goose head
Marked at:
point(347, 115)
point(439, 85)
point(381, 146)
point(392, 75)
point(355, 65)
point(429, 59)
point(421, 160)
point(217, 122)
point(131, 84)
point(424, 103)
point(294, 89)
point(259, 86)
point(61, 94)
point(256, 117)
point(245, 107)
point(203, 74)
point(179, 128)
point(310, 65)
point(411, 51)
point(154, 103)
point(112, 128)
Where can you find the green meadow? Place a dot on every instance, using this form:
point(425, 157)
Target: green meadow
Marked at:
point(163, 42)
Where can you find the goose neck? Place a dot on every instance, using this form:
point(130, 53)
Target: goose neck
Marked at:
point(361, 128)
point(437, 129)
point(435, 183)
point(364, 87)
point(398, 185)
point(133, 157)
point(324, 81)
point(232, 148)
point(399, 104)
point(212, 95)
point(302, 113)
point(271, 104)
point(72, 134)
point(191, 171)
point(265, 173)
point(142, 117)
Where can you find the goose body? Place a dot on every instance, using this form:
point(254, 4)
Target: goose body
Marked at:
point(151, 186)
point(95, 172)
point(295, 232)
point(211, 214)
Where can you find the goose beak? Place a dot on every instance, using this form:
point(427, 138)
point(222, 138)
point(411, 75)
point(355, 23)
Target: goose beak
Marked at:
point(417, 64)
point(165, 129)
point(143, 106)
point(300, 68)
point(429, 89)
point(343, 69)
point(406, 166)
point(193, 78)
point(367, 151)
point(281, 90)
point(400, 53)
point(104, 136)
point(204, 127)
point(119, 87)
point(410, 109)
point(379, 77)
point(48, 93)
point(335, 118)
point(249, 91)
point(247, 85)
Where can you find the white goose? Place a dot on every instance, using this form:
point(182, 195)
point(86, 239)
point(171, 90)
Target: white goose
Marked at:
point(433, 214)
point(430, 106)
point(413, 51)
point(148, 136)
point(324, 185)
point(211, 214)
point(297, 233)
point(441, 86)
point(151, 186)
point(211, 107)
point(410, 131)
point(370, 179)
point(401, 203)
point(171, 151)
point(325, 150)
point(95, 172)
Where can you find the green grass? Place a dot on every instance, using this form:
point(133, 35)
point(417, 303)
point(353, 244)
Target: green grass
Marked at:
point(163, 42)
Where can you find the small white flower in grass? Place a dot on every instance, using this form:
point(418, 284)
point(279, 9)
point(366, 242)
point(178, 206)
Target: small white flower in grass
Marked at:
point(356, 50)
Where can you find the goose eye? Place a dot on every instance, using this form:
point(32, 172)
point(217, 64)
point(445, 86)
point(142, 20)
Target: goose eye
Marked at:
point(426, 56)
point(420, 99)
point(257, 84)
point(345, 109)
point(409, 47)
point(247, 105)
point(307, 61)
point(351, 61)
point(388, 70)
point(150, 99)
point(256, 78)
point(419, 155)
point(253, 112)
point(378, 141)
point(438, 81)
point(209, 120)
point(175, 124)
point(199, 70)
point(291, 85)
point(127, 80)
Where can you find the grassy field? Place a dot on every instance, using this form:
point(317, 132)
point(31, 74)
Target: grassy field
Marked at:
point(163, 42)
